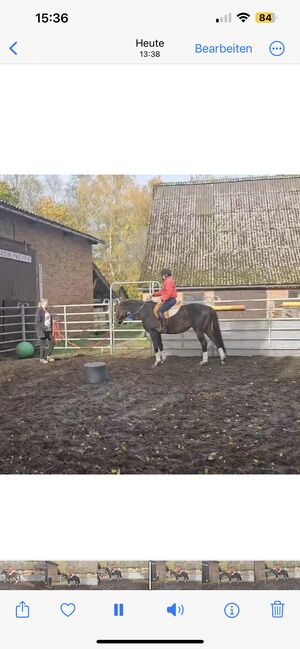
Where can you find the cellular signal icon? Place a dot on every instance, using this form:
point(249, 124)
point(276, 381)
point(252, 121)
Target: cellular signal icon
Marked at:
point(224, 19)
point(243, 16)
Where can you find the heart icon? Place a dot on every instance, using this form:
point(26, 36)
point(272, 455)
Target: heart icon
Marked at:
point(67, 609)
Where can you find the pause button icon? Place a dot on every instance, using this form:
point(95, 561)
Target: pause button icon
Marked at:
point(118, 610)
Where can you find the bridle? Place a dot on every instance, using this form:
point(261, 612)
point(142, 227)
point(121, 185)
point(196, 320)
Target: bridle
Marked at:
point(132, 314)
point(141, 307)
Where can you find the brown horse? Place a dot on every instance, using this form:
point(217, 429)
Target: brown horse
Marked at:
point(71, 579)
point(199, 317)
point(114, 572)
point(10, 576)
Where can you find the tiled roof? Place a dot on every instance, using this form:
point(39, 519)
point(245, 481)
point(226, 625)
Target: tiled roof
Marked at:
point(237, 232)
point(41, 219)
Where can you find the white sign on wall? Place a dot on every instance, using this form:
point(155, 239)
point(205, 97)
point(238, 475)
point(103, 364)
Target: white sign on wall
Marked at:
point(17, 256)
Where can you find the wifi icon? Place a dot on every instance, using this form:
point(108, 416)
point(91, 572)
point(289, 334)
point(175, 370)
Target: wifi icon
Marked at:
point(243, 16)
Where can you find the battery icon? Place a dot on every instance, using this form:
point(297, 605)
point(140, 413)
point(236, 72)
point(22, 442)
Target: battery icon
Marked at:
point(265, 17)
point(277, 609)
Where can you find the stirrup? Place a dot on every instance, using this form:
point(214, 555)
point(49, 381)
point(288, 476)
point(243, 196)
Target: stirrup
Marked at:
point(163, 325)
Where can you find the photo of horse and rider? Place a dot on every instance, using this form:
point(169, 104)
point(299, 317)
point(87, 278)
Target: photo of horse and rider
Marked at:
point(249, 575)
point(199, 317)
point(171, 307)
point(172, 575)
point(150, 575)
point(23, 575)
point(123, 575)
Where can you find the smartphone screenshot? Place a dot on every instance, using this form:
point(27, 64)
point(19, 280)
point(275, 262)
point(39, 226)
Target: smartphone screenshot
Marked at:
point(149, 324)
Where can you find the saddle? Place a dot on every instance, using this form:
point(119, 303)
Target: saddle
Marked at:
point(156, 314)
point(166, 314)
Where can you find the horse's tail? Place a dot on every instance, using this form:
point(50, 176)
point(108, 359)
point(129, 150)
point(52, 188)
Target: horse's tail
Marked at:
point(217, 331)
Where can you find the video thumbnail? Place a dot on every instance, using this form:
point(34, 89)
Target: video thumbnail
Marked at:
point(171, 310)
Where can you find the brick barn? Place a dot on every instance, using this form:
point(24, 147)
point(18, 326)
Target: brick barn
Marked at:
point(228, 239)
point(42, 258)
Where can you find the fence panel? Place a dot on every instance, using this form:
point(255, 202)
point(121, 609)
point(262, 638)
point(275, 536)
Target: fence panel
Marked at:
point(93, 326)
point(12, 328)
point(76, 326)
point(131, 333)
point(82, 326)
point(244, 338)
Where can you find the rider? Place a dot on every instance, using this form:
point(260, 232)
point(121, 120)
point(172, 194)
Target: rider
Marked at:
point(168, 294)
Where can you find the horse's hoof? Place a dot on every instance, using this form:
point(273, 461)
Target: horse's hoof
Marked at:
point(204, 363)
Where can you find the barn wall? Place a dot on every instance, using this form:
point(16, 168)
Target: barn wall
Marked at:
point(249, 297)
point(66, 261)
point(253, 309)
point(259, 570)
point(18, 279)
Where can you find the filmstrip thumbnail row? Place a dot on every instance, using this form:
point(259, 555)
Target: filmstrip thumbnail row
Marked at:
point(150, 575)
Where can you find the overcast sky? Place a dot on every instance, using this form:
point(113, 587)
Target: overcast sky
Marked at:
point(142, 180)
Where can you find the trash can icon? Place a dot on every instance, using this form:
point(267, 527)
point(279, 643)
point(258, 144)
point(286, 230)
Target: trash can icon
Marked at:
point(277, 609)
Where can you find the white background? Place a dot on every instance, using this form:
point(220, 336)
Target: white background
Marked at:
point(162, 120)
point(145, 616)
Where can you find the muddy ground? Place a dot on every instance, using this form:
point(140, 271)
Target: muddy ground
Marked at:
point(179, 585)
point(281, 584)
point(243, 417)
point(23, 585)
point(123, 584)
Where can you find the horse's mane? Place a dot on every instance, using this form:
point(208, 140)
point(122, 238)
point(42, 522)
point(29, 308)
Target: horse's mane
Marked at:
point(131, 304)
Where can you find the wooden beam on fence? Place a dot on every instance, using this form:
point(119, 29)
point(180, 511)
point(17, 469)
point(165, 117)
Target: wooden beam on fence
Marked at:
point(229, 307)
point(292, 305)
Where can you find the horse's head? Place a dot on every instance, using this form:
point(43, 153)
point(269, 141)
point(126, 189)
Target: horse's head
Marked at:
point(128, 308)
point(121, 312)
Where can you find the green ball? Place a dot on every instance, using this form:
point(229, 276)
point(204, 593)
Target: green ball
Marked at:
point(24, 350)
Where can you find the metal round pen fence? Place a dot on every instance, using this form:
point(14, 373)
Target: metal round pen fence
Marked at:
point(265, 326)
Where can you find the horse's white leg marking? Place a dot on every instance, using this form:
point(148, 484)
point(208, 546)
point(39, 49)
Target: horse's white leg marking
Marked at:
point(204, 359)
point(157, 359)
point(221, 354)
point(163, 356)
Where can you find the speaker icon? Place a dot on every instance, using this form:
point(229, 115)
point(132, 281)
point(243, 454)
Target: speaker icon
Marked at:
point(176, 609)
point(224, 19)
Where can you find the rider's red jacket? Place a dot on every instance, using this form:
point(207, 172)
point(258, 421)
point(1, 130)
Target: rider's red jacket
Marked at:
point(168, 289)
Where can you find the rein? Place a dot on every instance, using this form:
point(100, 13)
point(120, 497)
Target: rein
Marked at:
point(141, 307)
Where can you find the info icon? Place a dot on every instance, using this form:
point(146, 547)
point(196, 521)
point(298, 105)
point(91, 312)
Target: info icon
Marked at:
point(232, 610)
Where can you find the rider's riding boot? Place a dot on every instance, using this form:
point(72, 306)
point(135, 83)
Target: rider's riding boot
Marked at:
point(163, 324)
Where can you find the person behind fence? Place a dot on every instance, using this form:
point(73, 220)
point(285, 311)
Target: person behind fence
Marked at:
point(44, 326)
point(168, 294)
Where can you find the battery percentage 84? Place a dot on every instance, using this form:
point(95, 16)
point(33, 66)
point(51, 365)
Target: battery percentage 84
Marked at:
point(265, 17)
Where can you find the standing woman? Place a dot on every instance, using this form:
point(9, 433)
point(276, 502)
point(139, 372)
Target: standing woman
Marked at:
point(43, 324)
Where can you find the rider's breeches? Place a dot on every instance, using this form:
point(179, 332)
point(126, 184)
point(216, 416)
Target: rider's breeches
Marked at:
point(167, 305)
